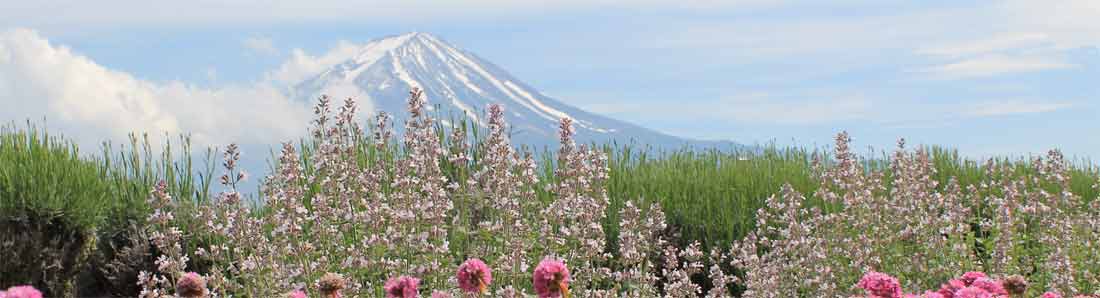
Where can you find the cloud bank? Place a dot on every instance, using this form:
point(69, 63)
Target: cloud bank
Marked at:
point(91, 103)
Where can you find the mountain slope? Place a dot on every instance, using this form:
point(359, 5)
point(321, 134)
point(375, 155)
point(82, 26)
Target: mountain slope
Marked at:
point(460, 83)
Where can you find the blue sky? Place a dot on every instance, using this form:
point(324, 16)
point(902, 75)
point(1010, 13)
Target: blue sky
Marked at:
point(987, 77)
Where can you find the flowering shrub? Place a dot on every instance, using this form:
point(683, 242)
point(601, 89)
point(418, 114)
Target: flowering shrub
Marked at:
point(347, 213)
point(902, 220)
point(396, 225)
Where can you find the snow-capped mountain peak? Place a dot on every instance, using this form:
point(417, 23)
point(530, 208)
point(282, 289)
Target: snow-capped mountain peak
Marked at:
point(460, 84)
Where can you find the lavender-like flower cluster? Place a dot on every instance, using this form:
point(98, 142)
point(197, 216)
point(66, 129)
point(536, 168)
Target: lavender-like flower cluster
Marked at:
point(346, 213)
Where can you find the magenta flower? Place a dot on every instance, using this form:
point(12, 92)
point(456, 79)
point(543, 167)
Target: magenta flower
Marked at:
point(1051, 295)
point(402, 287)
point(973, 292)
point(880, 285)
point(948, 289)
point(989, 285)
point(551, 279)
point(474, 276)
point(971, 276)
point(21, 292)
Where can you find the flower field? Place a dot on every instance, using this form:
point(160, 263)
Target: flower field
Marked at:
point(356, 211)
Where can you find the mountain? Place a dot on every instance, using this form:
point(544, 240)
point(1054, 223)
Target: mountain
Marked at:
point(460, 83)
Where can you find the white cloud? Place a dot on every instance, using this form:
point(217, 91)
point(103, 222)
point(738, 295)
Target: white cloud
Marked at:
point(874, 35)
point(260, 45)
point(301, 65)
point(1018, 36)
point(91, 103)
point(835, 35)
point(1000, 43)
point(1008, 53)
point(1070, 23)
point(1012, 107)
point(995, 64)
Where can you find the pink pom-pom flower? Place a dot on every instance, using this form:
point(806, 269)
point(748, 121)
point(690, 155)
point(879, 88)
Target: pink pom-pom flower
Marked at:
point(992, 286)
point(402, 287)
point(948, 289)
point(551, 279)
point(972, 276)
point(880, 285)
point(474, 276)
point(191, 284)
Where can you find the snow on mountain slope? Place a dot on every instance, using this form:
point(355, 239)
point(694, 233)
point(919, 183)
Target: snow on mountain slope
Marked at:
point(459, 83)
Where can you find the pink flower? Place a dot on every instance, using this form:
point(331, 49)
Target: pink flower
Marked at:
point(551, 279)
point(880, 285)
point(1051, 295)
point(191, 284)
point(21, 292)
point(971, 276)
point(972, 292)
point(402, 287)
point(927, 294)
point(989, 285)
point(331, 284)
point(474, 276)
point(948, 289)
point(1015, 285)
point(439, 294)
point(297, 294)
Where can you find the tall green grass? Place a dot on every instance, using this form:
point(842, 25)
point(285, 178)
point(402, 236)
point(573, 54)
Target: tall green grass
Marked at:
point(710, 196)
point(48, 176)
point(60, 203)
